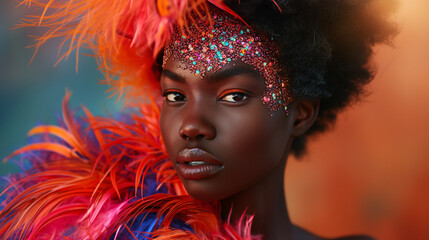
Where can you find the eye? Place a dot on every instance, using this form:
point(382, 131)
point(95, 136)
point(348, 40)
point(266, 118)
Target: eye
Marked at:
point(174, 97)
point(234, 97)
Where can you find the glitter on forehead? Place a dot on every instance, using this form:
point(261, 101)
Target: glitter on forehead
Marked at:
point(206, 48)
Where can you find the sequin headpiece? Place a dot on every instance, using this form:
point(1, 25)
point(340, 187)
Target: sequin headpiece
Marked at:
point(207, 46)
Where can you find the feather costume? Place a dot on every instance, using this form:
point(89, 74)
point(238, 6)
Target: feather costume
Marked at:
point(99, 178)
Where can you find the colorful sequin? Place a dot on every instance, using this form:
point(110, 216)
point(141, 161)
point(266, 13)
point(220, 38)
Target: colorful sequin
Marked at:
point(204, 48)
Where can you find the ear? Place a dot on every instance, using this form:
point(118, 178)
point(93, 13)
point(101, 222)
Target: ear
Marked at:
point(305, 114)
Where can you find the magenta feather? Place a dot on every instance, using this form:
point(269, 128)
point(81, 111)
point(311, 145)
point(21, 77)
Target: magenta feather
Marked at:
point(98, 191)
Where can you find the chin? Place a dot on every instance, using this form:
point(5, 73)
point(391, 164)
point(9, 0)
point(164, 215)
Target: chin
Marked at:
point(202, 191)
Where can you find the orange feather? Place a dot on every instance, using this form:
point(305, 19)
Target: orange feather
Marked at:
point(69, 195)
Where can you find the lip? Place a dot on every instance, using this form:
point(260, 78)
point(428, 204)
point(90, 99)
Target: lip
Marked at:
point(208, 165)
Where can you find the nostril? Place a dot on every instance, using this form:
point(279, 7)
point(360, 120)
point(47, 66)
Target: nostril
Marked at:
point(199, 136)
point(186, 137)
point(197, 130)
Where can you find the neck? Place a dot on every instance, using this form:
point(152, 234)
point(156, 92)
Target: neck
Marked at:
point(266, 201)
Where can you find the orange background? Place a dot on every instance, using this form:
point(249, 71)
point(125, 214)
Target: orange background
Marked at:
point(371, 173)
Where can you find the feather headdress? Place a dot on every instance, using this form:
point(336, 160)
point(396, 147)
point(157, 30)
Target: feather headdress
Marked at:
point(124, 35)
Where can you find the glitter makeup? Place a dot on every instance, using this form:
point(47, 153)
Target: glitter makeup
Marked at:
point(204, 48)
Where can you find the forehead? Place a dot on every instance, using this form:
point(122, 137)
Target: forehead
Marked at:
point(210, 43)
point(175, 71)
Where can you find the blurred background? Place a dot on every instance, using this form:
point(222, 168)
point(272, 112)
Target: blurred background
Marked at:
point(370, 174)
point(31, 93)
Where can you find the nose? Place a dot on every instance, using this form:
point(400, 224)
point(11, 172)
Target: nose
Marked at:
point(197, 124)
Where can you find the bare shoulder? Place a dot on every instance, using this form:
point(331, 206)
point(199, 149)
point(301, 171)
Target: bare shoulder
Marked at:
point(302, 234)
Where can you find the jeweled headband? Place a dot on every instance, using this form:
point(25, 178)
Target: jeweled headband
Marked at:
point(205, 47)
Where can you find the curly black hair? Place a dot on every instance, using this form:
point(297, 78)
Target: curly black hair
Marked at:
point(325, 46)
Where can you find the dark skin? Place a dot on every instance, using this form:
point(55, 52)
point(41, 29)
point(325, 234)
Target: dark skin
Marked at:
point(224, 115)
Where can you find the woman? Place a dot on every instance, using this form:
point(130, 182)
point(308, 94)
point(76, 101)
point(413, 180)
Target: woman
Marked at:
point(243, 86)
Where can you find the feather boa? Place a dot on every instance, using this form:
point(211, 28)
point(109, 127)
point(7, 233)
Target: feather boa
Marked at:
point(99, 178)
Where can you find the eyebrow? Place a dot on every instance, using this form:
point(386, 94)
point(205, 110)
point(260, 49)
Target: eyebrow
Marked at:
point(232, 72)
point(172, 75)
point(222, 74)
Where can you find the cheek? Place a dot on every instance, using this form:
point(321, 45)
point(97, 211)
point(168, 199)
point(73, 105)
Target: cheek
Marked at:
point(169, 130)
point(256, 142)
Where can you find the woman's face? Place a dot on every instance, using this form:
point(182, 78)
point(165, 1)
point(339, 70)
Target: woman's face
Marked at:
point(220, 136)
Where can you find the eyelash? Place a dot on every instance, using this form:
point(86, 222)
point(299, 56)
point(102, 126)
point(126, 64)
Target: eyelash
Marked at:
point(222, 98)
point(178, 93)
point(229, 92)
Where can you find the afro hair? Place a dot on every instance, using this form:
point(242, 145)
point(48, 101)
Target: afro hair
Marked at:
point(325, 48)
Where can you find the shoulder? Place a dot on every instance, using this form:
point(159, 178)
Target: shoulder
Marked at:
point(302, 234)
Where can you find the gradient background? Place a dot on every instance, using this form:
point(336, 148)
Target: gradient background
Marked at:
point(369, 175)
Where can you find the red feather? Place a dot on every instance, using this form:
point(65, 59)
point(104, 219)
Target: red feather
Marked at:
point(94, 192)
